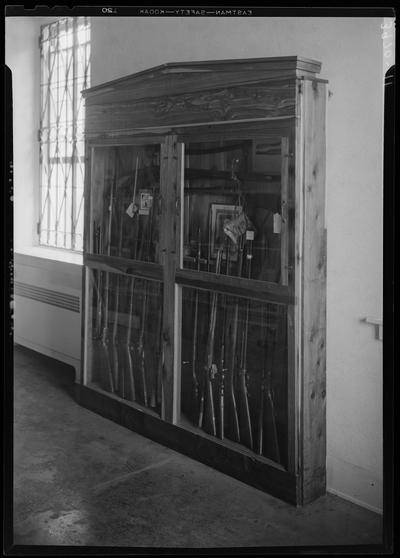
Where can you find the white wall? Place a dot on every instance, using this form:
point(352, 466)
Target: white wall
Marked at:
point(22, 54)
point(350, 50)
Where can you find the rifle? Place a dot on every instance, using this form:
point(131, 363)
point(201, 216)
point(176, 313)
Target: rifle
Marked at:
point(230, 392)
point(195, 382)
point(97, 282)
point(246, 436)
point(152, 348)
point(105, 337)
point(118, 374)
point(140, 347)
point(141, 341)
point(222, 369)
point(129, 346)
point(154, 351)
point(159, 353)
point(267, 402)
point(207, 414)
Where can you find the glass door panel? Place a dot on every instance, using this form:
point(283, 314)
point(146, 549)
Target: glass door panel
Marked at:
point(125, 202)
point(123, 340)
point(234, 201)
point(234, 370)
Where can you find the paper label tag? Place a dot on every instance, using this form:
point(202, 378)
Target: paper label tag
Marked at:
point(277, 223)
point(145, 202)
point(249, 235)
point(132, 210)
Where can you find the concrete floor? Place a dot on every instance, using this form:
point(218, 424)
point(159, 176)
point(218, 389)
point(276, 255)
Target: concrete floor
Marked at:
point(80, 479)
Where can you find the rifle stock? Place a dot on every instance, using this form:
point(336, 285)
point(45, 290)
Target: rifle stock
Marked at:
point(141, 348)
point(159, 353)
point(207, 412)
point(267, 427)
point(153, 351)
point(129, 346)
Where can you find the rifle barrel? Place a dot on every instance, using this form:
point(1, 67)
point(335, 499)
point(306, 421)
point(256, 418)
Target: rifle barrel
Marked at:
point(245, 419)
point(118, 369)
point(195, 381)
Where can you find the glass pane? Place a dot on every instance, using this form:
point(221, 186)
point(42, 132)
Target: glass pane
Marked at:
point(234, 370)
point(124, 337)
point(125, 202)
point(232, 202)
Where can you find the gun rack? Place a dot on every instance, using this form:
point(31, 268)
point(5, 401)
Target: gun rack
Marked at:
point(205, 265)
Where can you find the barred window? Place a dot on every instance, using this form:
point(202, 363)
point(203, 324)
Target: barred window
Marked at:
point(65, 72)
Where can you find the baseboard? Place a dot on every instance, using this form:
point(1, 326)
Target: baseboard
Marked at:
point(76, 363)
point(354, 500)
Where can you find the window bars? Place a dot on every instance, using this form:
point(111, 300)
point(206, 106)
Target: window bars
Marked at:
point(65, 72)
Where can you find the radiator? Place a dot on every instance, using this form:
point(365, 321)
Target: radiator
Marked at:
point(48, 321)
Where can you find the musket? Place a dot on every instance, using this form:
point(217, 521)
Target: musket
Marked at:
point(222, 369)
point(230, 391)
point(129, 345)
point(152, 354)
point(97, 282)
point(140, 343)
point(159, 352)
point(267, 404)
point(141, 340)
point(105, 337)
point(207, 413)
point(117, 368)
point(246, 436)
point(140, 347)
point(195, 382)
point(145, 364)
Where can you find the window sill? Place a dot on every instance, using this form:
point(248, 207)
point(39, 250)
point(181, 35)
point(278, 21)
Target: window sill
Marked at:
point(54, 254)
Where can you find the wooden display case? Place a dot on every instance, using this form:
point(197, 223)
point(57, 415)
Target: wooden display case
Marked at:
point(205, 265)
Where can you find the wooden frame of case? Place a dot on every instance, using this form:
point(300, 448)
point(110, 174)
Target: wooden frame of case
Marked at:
point(171, 105)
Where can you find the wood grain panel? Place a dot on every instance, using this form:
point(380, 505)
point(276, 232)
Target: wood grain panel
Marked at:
point(240, 286)
point(294, 178)
point(225, 104)
point(314, 295)
point(285, 210)
point(125, 266)
point(184, 83)
point(228, 131)
point(188, 76)
point(168, 187)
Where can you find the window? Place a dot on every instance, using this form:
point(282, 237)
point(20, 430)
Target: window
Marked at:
point(65, 72)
